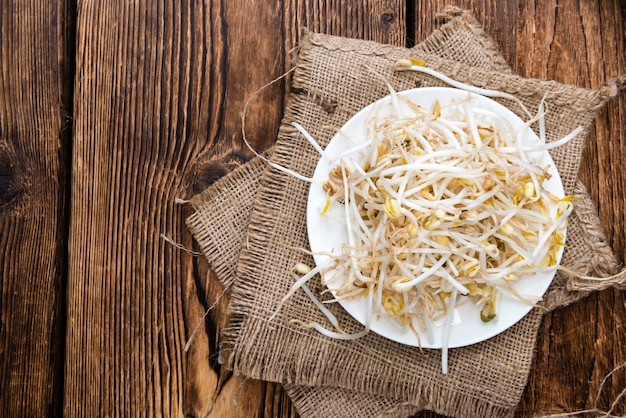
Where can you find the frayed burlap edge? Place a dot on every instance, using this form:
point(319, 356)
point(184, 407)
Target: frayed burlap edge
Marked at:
point(463, 33)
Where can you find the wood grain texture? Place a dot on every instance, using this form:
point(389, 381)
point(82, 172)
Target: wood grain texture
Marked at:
point(142, 112)
point(585, 46)
point(35, 109)
point(244, 55)
point(159, 92)
point(277, 32)
point(580, 43)
point(381, 21)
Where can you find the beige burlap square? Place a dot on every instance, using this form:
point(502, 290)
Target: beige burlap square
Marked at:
point(330, 378)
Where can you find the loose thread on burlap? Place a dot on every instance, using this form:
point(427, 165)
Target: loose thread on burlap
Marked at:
point(362, 345)
point(238, 390)
point(450, 11)
point(179, 246)
point(247, 104)
point(613, 280)
point(394, 408)
point(613, 87)
point(596, 410)
point(203, 319)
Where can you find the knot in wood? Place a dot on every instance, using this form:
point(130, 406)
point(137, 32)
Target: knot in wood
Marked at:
point(6, 182)
point(208, 175)
point(387, 19)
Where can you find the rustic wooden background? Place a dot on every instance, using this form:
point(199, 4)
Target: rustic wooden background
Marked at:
point(110, 110)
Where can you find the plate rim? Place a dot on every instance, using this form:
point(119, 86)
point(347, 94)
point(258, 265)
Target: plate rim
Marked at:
point(312, 229)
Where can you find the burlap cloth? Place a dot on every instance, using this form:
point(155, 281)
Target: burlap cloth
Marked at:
point(249, 222)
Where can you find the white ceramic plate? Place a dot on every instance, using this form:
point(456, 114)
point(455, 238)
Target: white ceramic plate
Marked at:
point(326, 233)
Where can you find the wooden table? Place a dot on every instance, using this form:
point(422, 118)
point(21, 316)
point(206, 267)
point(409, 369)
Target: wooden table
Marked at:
point(110, 110)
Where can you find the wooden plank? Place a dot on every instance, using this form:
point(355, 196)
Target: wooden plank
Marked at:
point(159, 90)
point(382, 21)
point(580, 43)
point(35, 109)
point(245, 55)
point(587, 48)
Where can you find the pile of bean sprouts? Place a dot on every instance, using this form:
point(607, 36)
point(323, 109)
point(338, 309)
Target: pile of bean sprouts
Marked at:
point(443, 206)
point(444, 200)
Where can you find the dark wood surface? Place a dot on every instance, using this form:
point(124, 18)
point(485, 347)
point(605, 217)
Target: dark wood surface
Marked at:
point(111, 110)
point(36, 41)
